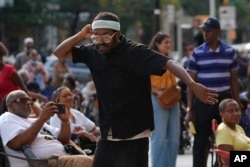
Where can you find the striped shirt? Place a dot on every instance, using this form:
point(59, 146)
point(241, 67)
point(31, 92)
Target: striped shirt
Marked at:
point(213, 67)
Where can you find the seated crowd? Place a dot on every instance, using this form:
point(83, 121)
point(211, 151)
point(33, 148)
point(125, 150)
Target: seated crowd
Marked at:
point(17, 129)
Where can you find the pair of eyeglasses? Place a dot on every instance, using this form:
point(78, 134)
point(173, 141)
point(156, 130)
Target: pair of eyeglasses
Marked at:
point(22, 100)
point(105, 38)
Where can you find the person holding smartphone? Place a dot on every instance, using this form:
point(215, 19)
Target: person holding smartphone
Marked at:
point(83, 131)
point(17, 130)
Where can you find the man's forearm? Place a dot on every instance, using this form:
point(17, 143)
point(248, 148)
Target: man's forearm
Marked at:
point(179, 72)
point(63, 51)
point(190, 99)
point(64, 134)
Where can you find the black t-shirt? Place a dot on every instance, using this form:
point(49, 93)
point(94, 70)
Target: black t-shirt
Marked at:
point(122, 80)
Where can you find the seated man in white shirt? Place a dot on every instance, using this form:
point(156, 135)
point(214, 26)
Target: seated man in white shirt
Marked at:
point(16, 130)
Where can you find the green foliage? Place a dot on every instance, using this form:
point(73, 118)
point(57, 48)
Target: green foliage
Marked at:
point(176, 3)
point(242, 9)
point(198, 7)
point(28, 13)
point(33, 12)
point(195, 7)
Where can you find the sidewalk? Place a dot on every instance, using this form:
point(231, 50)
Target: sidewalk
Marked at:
point(186, 159)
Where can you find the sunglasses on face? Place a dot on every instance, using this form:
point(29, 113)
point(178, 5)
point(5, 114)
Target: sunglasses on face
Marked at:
point(107, 38)
point(22, 100)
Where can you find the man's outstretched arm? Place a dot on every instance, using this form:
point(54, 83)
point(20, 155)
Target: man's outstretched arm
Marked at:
point(203, 93)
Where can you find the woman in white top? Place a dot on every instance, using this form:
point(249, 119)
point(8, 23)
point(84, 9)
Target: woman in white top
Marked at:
point(81, 127)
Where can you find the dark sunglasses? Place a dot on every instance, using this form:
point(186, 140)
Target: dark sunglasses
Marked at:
point(23, 100)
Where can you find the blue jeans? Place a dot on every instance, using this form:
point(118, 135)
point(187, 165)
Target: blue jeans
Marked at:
point(164, 142)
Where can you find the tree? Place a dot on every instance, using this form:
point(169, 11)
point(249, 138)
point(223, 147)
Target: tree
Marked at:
point(29, 17)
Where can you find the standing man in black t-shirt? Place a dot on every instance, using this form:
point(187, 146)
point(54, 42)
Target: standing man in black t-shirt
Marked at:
point(120, 69)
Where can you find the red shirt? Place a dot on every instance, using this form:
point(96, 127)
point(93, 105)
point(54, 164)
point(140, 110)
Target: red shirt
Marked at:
point(6, 84)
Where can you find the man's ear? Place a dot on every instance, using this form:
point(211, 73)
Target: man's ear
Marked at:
point(9, 106)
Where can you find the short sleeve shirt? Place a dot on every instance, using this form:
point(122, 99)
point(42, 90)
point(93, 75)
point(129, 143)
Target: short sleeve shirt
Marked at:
point(6, 83)
point(213, 67)
point(238, 138)
point(122, 80)
point(80, 121)
point(43, 147)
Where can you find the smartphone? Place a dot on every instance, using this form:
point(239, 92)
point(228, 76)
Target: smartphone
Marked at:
point(60, 107)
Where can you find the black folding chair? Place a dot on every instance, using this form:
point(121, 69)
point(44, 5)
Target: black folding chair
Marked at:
point(32, 160)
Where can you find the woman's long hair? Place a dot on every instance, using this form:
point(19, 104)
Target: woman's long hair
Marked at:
point(157, 38)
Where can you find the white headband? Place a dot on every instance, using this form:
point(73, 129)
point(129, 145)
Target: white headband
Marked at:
point(114, 25)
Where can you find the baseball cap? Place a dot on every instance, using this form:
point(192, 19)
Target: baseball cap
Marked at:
point(28, 40)
point(210, 23)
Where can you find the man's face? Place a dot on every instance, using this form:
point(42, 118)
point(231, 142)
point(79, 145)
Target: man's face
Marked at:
point(33, 54)
point(210, 36)
point(29, 45)
point(21, 105)
point(105, 39)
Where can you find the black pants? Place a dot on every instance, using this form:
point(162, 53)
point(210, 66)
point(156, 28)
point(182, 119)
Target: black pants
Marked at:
point(131, 153)
point(203, 115)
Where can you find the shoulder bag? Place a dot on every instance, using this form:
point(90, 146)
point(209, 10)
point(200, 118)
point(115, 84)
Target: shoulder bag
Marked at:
point(170, 96)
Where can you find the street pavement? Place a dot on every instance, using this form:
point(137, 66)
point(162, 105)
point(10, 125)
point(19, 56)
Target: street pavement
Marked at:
point(185, 160)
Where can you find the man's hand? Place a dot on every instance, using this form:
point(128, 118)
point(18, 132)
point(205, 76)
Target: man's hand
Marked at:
point(188, 117)
point(86, 31)
point(203, 93)
point(48, 110)
point(90, 136)
point(64, 117)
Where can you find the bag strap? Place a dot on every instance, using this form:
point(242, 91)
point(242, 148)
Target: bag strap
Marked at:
point(172, 79)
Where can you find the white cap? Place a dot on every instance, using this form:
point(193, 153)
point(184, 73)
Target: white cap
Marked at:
point(28, 40)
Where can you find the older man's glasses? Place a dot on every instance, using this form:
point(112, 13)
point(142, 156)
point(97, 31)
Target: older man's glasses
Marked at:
point(105, 38)
point(22, 100)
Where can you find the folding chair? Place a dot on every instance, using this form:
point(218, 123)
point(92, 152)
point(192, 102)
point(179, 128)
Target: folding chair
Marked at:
point(214, 149)
point(39, 162)
point(32, 161)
